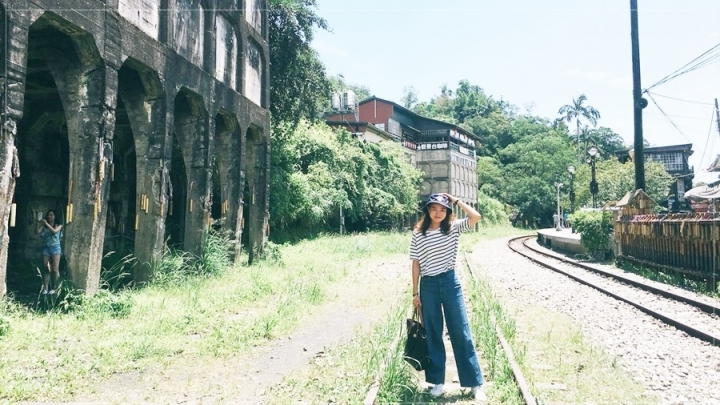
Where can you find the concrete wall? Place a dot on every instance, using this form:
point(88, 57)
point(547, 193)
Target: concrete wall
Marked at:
point(144, 14)
point(89, 70)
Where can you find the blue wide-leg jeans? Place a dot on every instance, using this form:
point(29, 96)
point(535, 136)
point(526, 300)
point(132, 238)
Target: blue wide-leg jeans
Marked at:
point(443, 294)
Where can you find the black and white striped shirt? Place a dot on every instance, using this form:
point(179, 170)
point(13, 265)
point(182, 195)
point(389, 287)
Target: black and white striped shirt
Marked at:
point(436, 251)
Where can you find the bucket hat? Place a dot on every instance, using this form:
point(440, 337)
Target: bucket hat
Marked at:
point(438, 199)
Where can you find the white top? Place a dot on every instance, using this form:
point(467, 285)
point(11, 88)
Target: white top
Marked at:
point(436, 251)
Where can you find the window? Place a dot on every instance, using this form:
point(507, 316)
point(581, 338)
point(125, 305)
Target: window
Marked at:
point(673, 161)
point(254, 75)
point(225, 51)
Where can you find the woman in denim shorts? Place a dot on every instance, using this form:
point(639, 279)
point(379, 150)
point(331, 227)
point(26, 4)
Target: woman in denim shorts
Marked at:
point(50, 233)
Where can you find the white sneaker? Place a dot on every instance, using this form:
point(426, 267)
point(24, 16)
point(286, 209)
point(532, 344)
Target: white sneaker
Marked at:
point(437, 390)
point(51, 292)
point(44, 292)
point(479, 393)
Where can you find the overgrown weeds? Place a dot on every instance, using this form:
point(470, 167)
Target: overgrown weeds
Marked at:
point(344, 374)
point(198, 307)
point(486, 312)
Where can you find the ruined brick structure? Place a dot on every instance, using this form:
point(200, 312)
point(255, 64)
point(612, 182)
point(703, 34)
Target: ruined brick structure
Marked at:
point(141, 122)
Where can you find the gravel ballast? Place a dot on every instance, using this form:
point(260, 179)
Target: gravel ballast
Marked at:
point(675, 367)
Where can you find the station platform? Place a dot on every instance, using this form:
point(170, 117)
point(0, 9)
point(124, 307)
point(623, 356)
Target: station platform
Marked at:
point(563, 240)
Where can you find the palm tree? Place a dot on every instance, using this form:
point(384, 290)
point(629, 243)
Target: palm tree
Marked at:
point(576, 111)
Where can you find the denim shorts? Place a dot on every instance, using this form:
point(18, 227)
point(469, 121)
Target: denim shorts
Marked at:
point(51, 250)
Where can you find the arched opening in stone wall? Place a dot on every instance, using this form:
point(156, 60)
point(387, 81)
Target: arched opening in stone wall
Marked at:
point(44, 161)
point(177, 207)
point(218, 201)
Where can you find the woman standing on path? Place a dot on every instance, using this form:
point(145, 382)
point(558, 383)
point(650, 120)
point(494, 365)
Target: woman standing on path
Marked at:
point(433, 252)
point(50, 233)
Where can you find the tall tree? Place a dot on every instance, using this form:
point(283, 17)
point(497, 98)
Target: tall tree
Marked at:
point(577, 110)
point(409, 98)
point(299, 87)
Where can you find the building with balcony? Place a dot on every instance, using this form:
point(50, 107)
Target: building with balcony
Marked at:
point(675, 160)
point(444, 152)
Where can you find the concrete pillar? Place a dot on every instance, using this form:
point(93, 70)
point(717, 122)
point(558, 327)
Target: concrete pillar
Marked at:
point(153, 177)
point(192, 129)
point(258, 177)
point(228, 153)
point(89, 121)
point(12, 79)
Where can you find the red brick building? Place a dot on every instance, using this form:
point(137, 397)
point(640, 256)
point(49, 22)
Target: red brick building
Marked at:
point(444, 152)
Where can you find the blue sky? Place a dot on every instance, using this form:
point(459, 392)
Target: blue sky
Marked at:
point(537, 55)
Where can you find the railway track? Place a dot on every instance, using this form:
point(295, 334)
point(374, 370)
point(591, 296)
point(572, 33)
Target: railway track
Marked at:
point(694, 317)
point(523, 387)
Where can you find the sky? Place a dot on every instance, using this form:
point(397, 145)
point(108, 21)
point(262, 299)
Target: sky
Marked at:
point(539, 55)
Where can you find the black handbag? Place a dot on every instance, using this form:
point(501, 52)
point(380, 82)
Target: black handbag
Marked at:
point(416, 352)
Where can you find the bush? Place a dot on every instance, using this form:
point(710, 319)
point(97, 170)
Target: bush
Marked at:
point(595, 228)
point(492, 210)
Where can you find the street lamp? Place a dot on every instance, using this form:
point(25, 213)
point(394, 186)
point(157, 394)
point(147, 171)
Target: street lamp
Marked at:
point(571, 170)
point(557, 224)
point(593, 152)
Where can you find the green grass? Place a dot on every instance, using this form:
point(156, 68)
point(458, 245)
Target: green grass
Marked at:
point(202, 308)
point(198, 308)
point(344, 373)
point(558, 361)
point(563, 366)
point(670, 278)
point(484, 307)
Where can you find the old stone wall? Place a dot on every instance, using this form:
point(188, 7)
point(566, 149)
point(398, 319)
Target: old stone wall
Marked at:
point(110, 118)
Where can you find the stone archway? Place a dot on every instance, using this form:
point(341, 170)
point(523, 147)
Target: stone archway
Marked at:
point(137, 200)
point(60, 152)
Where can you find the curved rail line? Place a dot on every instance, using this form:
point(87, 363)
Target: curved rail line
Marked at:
point(692, 331)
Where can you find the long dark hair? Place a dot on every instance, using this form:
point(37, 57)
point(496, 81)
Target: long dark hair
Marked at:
point(57, 219)
point(424, 222)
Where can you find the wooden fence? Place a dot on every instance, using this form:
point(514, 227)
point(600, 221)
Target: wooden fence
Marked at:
point(686, 243)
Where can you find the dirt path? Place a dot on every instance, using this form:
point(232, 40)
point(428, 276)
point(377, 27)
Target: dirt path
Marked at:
point(355, 302)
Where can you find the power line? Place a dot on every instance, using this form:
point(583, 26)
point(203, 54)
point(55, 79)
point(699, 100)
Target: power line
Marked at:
point(679, 99)
point(704, 59)
point(668, 117)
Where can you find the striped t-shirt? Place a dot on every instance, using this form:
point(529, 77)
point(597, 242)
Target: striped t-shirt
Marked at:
point(436, 251)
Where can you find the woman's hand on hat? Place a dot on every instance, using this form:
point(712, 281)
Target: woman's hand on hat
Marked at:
point(452, 199)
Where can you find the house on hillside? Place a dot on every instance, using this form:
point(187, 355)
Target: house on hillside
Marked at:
point(675, 160)
point(444, 152)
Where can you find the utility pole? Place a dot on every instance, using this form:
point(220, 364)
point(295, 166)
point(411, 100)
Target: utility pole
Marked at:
point(717, 112)
point(638, 101)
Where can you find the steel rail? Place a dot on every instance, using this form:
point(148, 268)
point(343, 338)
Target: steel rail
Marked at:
point(692, 331)
point(705, 307)
point(514, 366)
